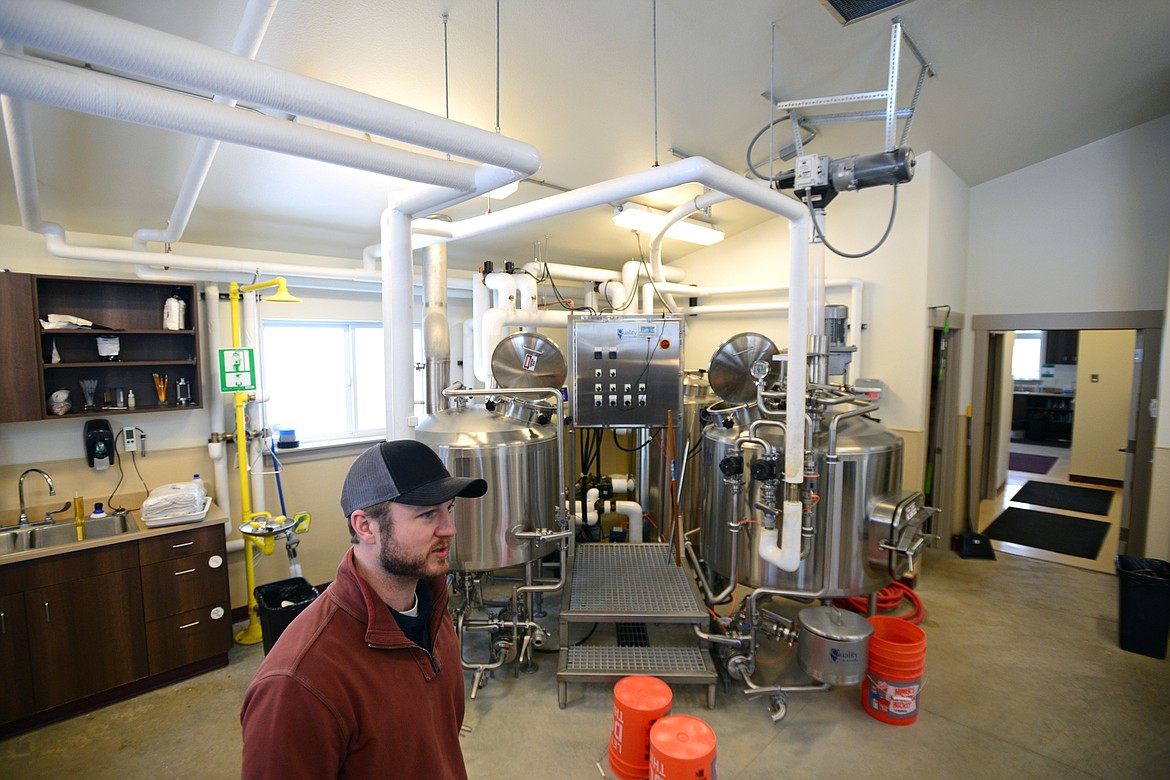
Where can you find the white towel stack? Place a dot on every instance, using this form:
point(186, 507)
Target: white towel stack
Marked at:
point(177, 498)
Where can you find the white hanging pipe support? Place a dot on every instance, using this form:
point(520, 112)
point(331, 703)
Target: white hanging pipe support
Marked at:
point(110, 97)
point(216, 443)
point(552, 393)
point(249, 35)
point(100, 39)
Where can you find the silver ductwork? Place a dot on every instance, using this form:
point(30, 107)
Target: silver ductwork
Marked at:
point(436, 330)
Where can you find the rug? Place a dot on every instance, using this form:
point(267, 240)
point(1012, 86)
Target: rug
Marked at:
point(1077, 536)
point(1033, 464)
point(1059, 496)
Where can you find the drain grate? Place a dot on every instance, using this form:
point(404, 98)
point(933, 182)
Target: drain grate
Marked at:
point(632, 635)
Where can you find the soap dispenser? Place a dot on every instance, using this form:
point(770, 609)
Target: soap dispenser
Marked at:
point(98, 511)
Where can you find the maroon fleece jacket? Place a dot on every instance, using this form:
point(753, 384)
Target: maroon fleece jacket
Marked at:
point(344, 693)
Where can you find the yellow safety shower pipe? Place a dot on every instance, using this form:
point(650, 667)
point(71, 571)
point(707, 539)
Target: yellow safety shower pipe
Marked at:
point(253, 633)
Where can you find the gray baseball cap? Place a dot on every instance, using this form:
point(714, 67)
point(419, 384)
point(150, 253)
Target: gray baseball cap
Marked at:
point(406, 471)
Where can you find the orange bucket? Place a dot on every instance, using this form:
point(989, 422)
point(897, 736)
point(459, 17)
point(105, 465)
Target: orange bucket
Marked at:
point(682, 748)
point(638, 703)
point(897, 661)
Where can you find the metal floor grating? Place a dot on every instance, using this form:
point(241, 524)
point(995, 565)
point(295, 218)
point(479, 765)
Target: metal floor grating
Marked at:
point(630, 579)
point(655, 660)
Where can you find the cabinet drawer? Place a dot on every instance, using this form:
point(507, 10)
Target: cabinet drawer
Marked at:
point(183, 584)
point(178, 545)
point(188, 637)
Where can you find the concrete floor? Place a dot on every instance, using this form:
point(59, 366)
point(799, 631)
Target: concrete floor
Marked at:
point(1024, 678)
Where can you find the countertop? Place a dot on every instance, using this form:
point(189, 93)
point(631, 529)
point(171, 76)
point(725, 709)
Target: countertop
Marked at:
point(215, 516)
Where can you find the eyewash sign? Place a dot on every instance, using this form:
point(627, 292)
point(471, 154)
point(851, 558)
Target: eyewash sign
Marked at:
point(237, 370)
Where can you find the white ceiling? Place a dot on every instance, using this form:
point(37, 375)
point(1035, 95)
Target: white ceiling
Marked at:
point(1017, 83)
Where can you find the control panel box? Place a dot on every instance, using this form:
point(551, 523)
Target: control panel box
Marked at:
point(626, 370)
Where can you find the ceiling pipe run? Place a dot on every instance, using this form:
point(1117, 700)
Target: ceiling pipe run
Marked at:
point(97, 38)
point(250, 34)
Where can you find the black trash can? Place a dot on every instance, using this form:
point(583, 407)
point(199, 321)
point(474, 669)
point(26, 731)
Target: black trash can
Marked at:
point(278, 603)
point(1144, 616)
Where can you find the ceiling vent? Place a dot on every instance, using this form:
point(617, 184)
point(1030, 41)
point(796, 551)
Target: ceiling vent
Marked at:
point(849, 11)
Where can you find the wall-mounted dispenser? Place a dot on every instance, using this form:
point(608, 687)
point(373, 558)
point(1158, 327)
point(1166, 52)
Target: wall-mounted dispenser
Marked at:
point(99, 444)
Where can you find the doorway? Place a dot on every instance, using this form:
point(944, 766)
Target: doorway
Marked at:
point(1044, 429)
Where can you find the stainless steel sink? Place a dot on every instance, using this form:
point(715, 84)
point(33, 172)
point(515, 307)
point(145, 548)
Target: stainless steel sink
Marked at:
point(13, 542)
point(37, 537)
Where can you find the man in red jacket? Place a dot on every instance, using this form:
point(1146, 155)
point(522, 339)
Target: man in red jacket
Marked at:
point(367, 682)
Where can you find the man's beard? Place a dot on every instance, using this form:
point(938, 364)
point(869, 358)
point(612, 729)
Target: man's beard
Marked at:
point(395, 562)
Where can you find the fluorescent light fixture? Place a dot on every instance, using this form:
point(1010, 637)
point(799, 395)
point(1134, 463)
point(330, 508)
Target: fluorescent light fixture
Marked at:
point(643, 219)
point(499, 193)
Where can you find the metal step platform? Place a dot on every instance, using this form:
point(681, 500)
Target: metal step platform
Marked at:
point(634, 584)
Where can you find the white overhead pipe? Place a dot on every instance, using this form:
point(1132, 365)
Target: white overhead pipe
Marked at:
point(504, 287)
point(253, 26)
point(734, 308)
point(526, 293)
point(632, 269)
point(115, 98)
point(216, 446)
point(24, 170)
point(691, 169)
point(698, 203)
point(93, 37)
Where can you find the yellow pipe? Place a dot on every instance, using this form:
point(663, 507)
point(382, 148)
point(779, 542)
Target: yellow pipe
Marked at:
point(253, 633)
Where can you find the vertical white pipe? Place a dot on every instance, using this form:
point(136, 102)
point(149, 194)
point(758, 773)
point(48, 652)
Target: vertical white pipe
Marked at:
point(398, 321)
point(213, 400)
point(525, 292)
point(256, 424)
point(481, 301)
point(469, 379)
point(436, 330)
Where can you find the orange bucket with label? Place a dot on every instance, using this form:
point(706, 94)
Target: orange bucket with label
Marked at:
point(682, 748)
point(638, 703)
point(894, 670)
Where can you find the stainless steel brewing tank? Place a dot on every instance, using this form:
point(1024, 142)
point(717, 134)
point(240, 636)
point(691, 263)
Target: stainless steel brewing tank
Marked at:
point(517, 457)
point(869, 466)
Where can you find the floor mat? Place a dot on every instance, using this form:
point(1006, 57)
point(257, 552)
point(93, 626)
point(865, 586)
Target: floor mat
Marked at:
point(1077, 536)
point(1033, 464)
point(1059, 496)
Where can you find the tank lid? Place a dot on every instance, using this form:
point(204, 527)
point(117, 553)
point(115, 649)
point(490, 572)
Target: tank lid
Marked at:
point(835, 624)
point(528, 359)
point(730, 372)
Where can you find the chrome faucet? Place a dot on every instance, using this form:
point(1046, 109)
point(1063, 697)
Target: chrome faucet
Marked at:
point(52, 492)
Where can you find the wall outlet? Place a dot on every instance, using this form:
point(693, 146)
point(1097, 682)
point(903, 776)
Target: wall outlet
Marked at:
point(130, 437)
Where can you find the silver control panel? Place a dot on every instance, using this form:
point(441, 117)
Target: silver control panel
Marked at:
point(626, 371)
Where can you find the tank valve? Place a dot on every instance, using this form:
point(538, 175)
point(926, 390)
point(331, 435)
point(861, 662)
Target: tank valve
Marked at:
point(763, 470)
point(732, 465)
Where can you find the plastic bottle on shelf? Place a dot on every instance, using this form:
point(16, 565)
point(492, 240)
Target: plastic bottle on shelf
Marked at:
point(200, 486)
point(131, 401)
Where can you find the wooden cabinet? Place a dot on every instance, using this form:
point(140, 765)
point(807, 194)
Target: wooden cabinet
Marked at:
point(86, 635)
point(1060, 347)
point(17, 700)
point(186, 602)
point(37, 362)
point(82, 624)
point(83, 616)
point(20, 364)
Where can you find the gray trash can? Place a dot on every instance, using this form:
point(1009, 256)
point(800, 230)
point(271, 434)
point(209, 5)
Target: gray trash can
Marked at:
point(278, 603)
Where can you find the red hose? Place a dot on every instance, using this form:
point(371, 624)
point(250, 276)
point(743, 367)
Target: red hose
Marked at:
point(889, 599)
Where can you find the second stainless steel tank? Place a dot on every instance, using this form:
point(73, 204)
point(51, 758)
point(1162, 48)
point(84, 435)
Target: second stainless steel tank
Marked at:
point(514, 450)
point(838, 550)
